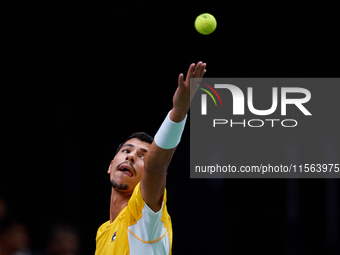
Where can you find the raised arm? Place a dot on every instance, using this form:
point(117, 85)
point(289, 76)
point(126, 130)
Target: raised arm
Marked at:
point(159, 155)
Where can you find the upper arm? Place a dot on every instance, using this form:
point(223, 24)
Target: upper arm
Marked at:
point(156, 162)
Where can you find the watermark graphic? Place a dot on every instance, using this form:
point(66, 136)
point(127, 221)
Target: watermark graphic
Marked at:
point(252, 125)
point(239, 101)
point(204, 97)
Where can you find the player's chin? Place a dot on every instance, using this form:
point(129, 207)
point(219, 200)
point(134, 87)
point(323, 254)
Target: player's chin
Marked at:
point(119, 186)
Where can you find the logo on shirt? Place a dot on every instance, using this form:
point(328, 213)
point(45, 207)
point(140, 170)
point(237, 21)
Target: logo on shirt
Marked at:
point(114, 236)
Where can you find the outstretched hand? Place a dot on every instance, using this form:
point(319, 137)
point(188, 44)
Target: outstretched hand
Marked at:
point(182, 97)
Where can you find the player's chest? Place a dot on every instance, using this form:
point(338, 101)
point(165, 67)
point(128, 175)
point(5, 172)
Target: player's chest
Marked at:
point(116, 240)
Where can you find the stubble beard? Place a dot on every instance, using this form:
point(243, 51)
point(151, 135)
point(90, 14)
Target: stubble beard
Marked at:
point(119, 187)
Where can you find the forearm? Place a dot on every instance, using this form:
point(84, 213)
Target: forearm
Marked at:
point(158, 159)
point(166, 140)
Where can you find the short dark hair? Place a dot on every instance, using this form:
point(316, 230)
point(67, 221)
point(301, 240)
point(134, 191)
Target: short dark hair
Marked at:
point(144, 137)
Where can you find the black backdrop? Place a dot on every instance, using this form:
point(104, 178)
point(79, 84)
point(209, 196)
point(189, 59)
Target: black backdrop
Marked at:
point(79, 76)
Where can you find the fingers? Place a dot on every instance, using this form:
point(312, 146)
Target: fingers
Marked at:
point(199, 70)
point(194, 71)
point(181, 80)
point(191, 70)
point(204, 67)
point(203, 70)
point(190, 73)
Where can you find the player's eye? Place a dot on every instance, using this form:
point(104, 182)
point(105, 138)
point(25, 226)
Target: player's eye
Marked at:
point(142, 156)
point(126, 150)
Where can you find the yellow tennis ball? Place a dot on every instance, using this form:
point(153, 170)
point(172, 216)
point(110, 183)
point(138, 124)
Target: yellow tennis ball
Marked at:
point(205, 23)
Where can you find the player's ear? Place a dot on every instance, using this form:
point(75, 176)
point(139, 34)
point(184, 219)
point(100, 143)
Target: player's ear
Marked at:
point(110, 166)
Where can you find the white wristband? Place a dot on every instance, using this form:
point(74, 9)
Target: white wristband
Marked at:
point(169, 134)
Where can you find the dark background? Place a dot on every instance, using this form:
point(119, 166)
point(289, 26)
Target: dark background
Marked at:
point(77, 77)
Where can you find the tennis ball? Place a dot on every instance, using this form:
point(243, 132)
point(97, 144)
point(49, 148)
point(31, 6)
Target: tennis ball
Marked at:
point(205, 23)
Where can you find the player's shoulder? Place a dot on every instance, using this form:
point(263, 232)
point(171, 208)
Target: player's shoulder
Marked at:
point(104, 226)
point(138, 195)
point(137, 200)
point(137, 203)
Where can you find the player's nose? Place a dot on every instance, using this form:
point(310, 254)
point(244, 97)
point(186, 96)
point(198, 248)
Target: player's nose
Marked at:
point(130, 157)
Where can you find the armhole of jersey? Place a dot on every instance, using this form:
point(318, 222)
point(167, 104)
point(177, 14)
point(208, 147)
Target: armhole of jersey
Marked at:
point(151, 212)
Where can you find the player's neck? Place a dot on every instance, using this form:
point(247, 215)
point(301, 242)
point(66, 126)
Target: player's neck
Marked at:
point(118, 202)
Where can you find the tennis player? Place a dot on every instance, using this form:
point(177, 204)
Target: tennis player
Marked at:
point(139, 221)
